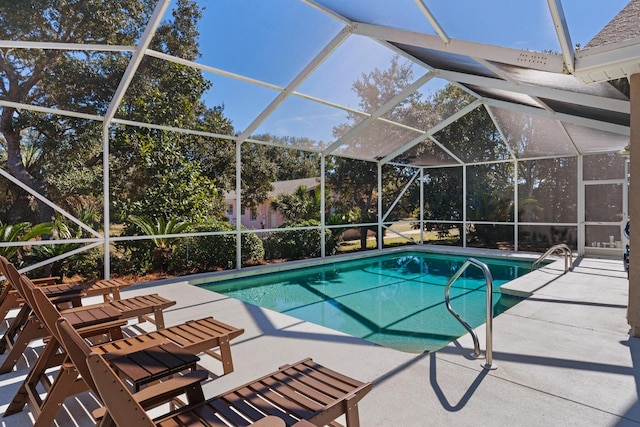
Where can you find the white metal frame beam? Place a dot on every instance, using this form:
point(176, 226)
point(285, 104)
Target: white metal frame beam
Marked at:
point(432, 20)
point(297, 81)
point(134, 63)
point(521, 58)
point(17, 44)
point(137, 57)
point(443, 124)
point(611, 104)
point(404, 190)
point(562, 29)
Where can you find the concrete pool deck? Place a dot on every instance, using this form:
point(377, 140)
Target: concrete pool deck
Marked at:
point(563, 357)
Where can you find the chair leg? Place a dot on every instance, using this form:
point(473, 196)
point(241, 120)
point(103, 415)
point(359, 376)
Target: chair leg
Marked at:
point(225, 355)
point(32, 330)
point(11, 301)
point(14, 328)
point(65, 384)
point(351, 412)
point(28, 389)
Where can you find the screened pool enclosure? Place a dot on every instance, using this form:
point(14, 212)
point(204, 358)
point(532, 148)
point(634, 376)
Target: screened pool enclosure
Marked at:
point(483, 126)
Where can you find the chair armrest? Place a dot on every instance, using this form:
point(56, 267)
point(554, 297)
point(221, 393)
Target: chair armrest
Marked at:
point(100, 328)
point(65, 298)
point(164, 392)
point(273, 421)
point(43, 281)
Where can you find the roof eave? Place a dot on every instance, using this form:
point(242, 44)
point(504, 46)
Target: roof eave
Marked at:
point(608, 62)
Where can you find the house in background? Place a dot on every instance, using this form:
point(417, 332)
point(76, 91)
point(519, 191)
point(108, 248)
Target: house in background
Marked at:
point(264, 216)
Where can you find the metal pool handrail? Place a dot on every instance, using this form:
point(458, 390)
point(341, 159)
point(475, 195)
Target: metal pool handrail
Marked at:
point(489, 332)
point(566, 251)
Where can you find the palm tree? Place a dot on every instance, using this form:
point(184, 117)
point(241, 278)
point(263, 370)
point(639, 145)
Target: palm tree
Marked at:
point(163, 245)
point(20, 232)
point(301, 205)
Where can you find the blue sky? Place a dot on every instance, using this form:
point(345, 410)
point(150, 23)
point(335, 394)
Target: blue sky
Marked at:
point(273, 40)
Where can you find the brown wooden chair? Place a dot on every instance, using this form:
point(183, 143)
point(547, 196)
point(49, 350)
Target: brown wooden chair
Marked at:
point(63, 293)
point(10, 298)
point(302, 391)
point(197, 336)
point(26, 327)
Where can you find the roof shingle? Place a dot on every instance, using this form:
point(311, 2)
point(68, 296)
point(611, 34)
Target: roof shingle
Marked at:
point(624, 26)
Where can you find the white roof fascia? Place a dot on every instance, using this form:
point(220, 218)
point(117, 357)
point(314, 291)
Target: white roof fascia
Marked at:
point(520, 58)
point(562, 29)
point(297, 81)
point(432, 20)
point(145, 40)
point(608, 62)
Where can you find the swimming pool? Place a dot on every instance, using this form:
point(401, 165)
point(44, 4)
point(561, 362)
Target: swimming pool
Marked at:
point(395, 300)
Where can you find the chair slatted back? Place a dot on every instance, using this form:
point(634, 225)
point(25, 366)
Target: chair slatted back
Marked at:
point(3, 271)
point(44, 309)
point(77, 349)
point(10, 273)
point(25, 287)
point(115, 395)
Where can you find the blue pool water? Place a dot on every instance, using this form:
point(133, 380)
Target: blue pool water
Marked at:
point(395, 300)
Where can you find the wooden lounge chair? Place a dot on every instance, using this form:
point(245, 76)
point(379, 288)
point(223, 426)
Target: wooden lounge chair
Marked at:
point(196, 336)
point(10, 298)
point(29, 328)
point(302, 391)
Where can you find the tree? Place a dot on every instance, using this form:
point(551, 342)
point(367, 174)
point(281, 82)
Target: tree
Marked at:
point(303, 204)
point(293, 162)
point(163, 245)
point(355, 185)
point(355, 181)
point(57, 78)
point(145, 162)
point(20, 232)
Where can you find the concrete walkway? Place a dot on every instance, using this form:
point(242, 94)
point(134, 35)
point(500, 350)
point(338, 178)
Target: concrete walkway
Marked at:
point(563, 358)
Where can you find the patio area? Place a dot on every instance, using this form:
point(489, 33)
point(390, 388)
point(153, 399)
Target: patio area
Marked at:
point(563, 357)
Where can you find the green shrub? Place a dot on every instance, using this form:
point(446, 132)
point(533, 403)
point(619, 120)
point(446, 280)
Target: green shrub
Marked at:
point(206, 253)
point(296, 244)
point(88, 264)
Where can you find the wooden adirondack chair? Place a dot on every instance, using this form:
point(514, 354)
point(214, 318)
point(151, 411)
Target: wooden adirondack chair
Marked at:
point(11, 299)
point(302, 394)
point(203, 335)
point(27, 328)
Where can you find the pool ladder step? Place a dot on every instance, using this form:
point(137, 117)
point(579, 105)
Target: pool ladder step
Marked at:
point(489, 332)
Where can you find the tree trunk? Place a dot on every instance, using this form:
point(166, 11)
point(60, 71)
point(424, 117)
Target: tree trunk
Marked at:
point(15, 165)
point(364, 232)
